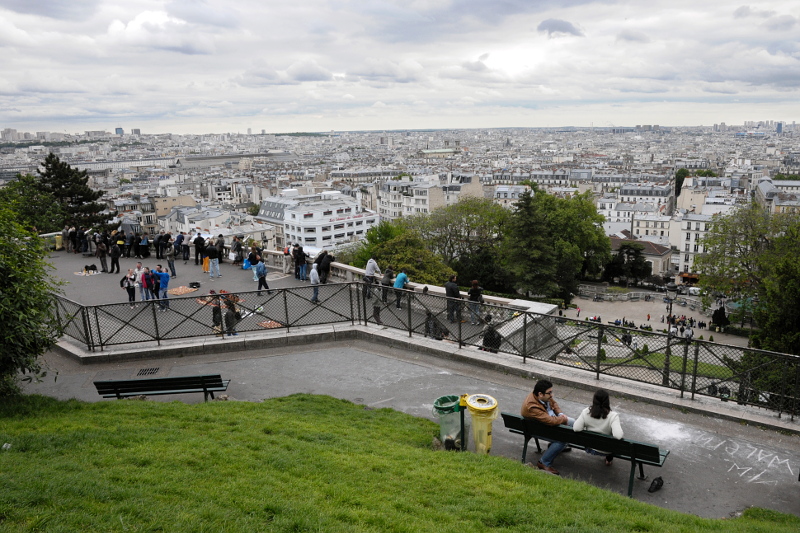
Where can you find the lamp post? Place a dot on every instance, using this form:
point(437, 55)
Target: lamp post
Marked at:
point(672, 293)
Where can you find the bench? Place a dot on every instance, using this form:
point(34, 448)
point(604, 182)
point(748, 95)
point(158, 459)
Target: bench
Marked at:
point(208, 385)
point(628, 450)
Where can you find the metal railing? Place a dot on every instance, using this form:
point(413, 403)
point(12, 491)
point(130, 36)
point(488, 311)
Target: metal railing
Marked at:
point(753, 377)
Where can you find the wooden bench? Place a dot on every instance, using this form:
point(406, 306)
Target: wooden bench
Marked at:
point(208, 385)
point(628, 450)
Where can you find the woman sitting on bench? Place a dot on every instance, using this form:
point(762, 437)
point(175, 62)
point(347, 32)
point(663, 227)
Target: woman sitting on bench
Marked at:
point(601, 419)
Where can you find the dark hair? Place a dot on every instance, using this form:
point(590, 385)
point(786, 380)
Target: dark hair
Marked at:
point(452, 278)
point(600, 404)
point(475, 283)
point(541, 387)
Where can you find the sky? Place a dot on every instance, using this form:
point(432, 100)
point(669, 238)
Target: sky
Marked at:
point(213, 66)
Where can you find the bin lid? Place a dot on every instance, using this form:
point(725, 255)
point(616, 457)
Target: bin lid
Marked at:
point(446, 404)
point(481, 402)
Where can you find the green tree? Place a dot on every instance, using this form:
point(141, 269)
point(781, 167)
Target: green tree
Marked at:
point(630, 263)
point(786, 177)
point(407, 251)
point(680, 176)
point(35, 207)
point(26, 289)
point(70, 189)
point(551, 241)
point(253, 210)
point(461, 229)
point(383, 232)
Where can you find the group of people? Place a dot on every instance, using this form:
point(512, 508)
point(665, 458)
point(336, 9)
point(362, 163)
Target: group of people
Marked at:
point(540, 405)
point(152, 285)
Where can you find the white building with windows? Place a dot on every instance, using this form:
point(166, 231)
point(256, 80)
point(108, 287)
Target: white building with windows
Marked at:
point(320, 221)
point(687, 234)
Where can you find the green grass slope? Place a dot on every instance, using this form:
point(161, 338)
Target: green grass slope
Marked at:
point(300, 463)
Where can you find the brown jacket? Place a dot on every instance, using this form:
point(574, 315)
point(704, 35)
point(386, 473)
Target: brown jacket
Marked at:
point(533, 408)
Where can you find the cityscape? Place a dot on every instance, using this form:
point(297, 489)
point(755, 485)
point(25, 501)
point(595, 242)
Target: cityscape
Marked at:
point(346, 182)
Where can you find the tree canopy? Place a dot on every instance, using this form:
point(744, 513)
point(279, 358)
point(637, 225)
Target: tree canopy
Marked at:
point(552, 241)
point(69, 187)
point(35, 207)
point(26, 288)
point(628, 263)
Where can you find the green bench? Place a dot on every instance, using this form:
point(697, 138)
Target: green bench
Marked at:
point(208, 385)
point(636, 452)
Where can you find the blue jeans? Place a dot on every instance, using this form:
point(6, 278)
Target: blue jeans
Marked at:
point(475, 312)
point(163, 303)
point(303, 268)
point(213, 264)
point(145, 293)
point(315, 298)
point(555, 448)
point(171, 265)
point(253, 268)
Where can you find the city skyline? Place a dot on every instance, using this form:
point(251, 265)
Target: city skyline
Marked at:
point(208, 66)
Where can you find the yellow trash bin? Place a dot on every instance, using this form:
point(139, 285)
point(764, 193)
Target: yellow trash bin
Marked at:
point(59, 242)
point(483, 410)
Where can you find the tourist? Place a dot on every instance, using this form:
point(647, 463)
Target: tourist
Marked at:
point(314, 278)
point(453, 294)
point(129, 283)
point(475, 296)
point(386, 282)
point(370, 272)
point(491, 337)
point(540, 405)
point(599, 418)
point(400, 283)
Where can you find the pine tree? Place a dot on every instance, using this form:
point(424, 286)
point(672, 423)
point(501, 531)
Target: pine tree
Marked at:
point(70, 188)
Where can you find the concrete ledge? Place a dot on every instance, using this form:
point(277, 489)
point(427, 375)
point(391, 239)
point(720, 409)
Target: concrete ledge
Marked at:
point(396, 339)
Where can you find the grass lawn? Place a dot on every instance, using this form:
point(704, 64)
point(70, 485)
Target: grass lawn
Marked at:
point(657, 359)
point(299, 463)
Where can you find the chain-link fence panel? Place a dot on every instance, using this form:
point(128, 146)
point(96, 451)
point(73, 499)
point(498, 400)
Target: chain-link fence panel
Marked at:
point(71, 319)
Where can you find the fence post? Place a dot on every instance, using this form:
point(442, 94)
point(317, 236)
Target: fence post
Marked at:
point(286, 309)
point(665, 380)
point(794, 396)
point(683, 369)
point(783, 387)
point(99, 330)
point(600, 333)
point(694, 371)
point(524, 338)
point(458, 319)
point(411, 295)
point(352, 311)
point(155, 320)
point(87, 330)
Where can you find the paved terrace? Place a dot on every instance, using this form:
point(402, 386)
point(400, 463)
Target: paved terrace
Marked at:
point(724, 457)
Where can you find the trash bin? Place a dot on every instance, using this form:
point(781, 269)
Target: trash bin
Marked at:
point(59, 242)
point(483, 410)
point(447, 410)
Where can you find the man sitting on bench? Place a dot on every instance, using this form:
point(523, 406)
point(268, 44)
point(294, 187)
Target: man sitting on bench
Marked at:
point(542, 407)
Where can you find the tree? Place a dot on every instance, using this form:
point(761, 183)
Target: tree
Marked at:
point(26, 289)
point(680, 177)
point(35, 208)
point(461, 229)
point(407, 251)
point(359, 254)
point(552, 241)
point(70, 189)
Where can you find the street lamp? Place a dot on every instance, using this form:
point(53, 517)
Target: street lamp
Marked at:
point(672, 293)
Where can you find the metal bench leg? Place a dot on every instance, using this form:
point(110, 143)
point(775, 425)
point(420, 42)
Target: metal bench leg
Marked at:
point(641, 472)
point(630, 481)
point(525, 449)
point(538, 446)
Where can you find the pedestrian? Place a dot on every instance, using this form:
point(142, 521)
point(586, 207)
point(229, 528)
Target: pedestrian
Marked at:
point(220, 248)
point(453, 295)
point(213, 260)
point(101, 252)
point(491, 337)
point(254, 258)
point(232, 314)
point(400, 283)
point(600, 419)
point(157, 243)
point(169, 255)
point(114, 254)
point(325, 267)
point(376, 304)
point(236, 251)
point(314, 278)
point(475, 297)
point(370, 272)
point(261, 272)
point(199, 248)
point(163, 287)
point(216, 316)
point(185, 248)
point(648, 317)
point(129, 283)
point(302, 259)
point(144, 247)
point(386, 282)
point(579, 312)
point(434, 328)
point(73, 240)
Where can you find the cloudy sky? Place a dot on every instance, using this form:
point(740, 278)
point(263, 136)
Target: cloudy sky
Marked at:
point(196, 66)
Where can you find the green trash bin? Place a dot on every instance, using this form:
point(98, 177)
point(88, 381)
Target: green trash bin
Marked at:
point(447, 410)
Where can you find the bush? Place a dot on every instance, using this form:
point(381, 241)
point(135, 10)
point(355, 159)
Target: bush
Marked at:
point(711, 338)
point(602, 355)
point(605, 339)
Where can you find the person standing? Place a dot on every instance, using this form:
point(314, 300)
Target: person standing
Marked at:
point(236, 250)
point(128, 282)
point(601, 419)
point(370, 273)
point(65, 238)
point(129, 237)
point(157, 243)
point(386, 282)
point(453, 295)
point(232, 313)
point(114, 254)
point(302, 260)
point(199, 247)
point(254, 259)
point(139, 271)
point(475, 296)
point(185, 248)
point(101, 253)
point(314, 278)
point(492, 339)
point(542, 407)
point(261, 272)
point(400, 283)
point(163, 286)
point(220, 248)
point(325, 268)
point(73, 240)
point(169, 255)
point(213, 261)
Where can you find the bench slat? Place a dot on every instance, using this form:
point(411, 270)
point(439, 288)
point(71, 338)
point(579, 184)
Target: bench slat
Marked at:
point(207, 384)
